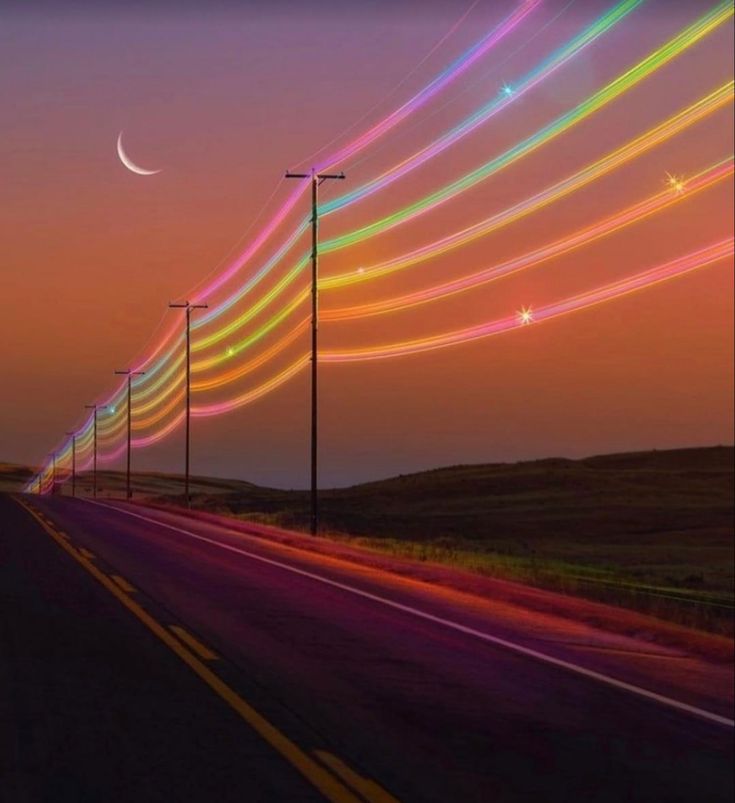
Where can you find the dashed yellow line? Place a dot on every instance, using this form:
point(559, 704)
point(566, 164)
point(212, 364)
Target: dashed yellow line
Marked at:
point(123, 583)
point(195, 644)
point(331, 786)
point(86, 553)
point(371, 791)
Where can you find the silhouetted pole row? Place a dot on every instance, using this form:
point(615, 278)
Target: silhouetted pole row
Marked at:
point(316, 180)
point(188, 307)
point(130, 374)
point(94, 407)
point(73, 462)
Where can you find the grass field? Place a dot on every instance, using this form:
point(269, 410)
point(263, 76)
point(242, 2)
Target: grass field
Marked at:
point(648, 530)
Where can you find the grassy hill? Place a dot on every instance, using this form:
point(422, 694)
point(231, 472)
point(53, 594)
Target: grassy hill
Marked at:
point(651, 530)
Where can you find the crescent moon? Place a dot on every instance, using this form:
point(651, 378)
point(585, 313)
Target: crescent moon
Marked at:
point(129, 163)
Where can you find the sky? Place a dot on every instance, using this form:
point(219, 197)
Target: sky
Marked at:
point(222, 98)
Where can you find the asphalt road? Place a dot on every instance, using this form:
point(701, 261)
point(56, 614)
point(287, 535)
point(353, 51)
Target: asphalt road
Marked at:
point(283, 676)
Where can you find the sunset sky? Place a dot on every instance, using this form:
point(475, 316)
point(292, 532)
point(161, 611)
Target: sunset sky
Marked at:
point(224, 97)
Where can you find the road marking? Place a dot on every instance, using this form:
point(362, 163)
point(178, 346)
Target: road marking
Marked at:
point(470, 631)
point(370, 790)
point(123, 583)
point(330, 786)
point(87, 554)
point(195, 644)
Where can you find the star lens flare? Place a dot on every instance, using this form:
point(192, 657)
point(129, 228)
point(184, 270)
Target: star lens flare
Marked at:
point(675, 183)
point(524, 316)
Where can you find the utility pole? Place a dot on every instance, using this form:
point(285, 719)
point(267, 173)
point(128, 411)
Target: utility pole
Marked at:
point(188, 308)
point(130, 374)
point(94, 407)
point(317, 179)
point(73, 462)
point(52, 455)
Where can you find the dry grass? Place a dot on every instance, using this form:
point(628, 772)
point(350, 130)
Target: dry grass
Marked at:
point(649, 530)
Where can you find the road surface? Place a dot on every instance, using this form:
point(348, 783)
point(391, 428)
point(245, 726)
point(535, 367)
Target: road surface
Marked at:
point(148, 657)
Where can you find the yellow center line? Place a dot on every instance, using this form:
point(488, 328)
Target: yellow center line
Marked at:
point(195, 644)
point(123, 583)
point(370, 790)
point(330, 786)
point(87, 554)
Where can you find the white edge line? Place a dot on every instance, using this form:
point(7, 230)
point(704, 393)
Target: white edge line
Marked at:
point(518, 648)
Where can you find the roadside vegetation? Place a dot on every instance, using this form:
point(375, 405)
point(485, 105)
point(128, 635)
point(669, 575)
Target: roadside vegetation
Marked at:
point(651, 531)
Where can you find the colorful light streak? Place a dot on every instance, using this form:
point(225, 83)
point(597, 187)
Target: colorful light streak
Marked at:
point(633, 214)
point(695, 260)
point(541, 73)
point(636, 147)
point(636, 213)
point(686, 117)
point(237, 373)
point(285, 312)
point(653, 62)
point(676, 267)
point(450, 74)
point(204, 342)
point(631, 150)
point(624, 82)
point(204, 410)
point(674, 47)
point(421, 98)
point(606, 21)
point(546, 69)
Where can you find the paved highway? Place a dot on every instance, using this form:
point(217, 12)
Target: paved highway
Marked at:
point(150, 657)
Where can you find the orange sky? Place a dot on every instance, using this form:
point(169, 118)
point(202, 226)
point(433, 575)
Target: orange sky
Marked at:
point(224, 101)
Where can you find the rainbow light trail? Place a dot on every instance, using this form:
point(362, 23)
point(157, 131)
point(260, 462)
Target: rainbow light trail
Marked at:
point(682, 116)
point(668, 270)
point(158, 395)
point(660, 133)
point(615, 88)
point(544, 71)
point(486, 112)
point(631, 150)
point(605, 23)
point(654, 61)
point(441, 82)
point(633, 214)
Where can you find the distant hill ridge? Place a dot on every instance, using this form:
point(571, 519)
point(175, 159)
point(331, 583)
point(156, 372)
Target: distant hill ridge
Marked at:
point(651, 530)
point(705, 458)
